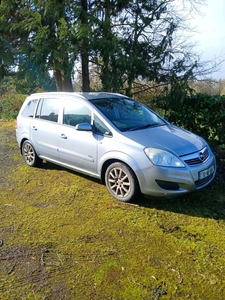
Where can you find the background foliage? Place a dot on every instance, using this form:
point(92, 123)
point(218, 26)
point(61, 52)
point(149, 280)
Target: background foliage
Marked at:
point(200, 113)
point(10, 104)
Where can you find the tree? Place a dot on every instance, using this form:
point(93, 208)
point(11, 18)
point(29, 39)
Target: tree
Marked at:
point(7, 44)
point(141, 42)
point(6, 59)
point(209, 86)
point(126, 40)
point(106, 44)
point(50, 26)
point(44, 34)
point(84, 46)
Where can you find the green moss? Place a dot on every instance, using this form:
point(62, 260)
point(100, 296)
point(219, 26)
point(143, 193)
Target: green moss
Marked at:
point(65, 237)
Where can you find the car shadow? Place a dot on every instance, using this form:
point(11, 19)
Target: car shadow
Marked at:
point(206, 203)
point(51, 166)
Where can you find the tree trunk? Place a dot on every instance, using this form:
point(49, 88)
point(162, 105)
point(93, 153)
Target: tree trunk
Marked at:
point(58, 79)
point(85, 73)
point(63, 83)
point(84, 49)
point(67, 85)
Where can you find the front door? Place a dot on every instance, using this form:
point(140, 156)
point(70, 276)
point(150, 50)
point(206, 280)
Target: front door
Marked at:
point(77, 149)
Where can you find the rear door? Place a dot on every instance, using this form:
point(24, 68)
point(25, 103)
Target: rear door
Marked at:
point(45, 127)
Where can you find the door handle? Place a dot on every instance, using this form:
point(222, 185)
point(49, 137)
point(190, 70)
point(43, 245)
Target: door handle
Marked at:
point(63, 136)
point(34, 128)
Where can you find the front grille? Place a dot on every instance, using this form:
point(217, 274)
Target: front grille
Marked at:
point(197, 158)
point(203, 181)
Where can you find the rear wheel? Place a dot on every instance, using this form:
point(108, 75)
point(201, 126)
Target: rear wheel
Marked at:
point(29, 155)
point(121, 182)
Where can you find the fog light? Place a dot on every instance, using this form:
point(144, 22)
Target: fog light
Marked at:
point(168, 185)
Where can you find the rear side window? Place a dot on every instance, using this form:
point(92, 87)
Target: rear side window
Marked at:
point(48, 109)
point(29, 109)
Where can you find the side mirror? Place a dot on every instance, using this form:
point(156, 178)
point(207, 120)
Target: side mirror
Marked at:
point(83, 127)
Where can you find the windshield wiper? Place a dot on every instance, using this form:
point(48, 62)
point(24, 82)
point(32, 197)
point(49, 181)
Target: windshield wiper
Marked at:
point(142, 126)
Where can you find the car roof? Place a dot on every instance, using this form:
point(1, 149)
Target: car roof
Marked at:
point(83, 95)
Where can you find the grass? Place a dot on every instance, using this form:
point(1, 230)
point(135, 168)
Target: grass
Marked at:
point(62, 236)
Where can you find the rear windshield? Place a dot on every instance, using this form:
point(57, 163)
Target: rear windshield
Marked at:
point(127, 114)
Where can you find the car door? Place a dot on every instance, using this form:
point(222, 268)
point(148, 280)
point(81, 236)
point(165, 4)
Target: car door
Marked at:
point(78, 147)
point(44, 128)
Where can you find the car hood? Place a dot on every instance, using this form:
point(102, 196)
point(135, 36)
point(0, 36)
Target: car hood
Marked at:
point(167, 137)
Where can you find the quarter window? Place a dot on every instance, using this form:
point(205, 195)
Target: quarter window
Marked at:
point(100, 127)
point(29, 109)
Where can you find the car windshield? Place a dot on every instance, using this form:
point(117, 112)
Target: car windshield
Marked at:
point(127, 114)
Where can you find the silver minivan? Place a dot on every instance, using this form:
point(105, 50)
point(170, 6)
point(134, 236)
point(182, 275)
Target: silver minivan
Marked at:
point(116, 139)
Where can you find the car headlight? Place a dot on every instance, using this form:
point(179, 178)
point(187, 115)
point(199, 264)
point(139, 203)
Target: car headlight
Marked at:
point(163, 158)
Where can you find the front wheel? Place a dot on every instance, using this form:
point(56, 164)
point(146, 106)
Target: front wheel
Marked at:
point(121, 182)
point(29, 155)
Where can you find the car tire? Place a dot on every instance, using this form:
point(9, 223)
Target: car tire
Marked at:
point(30, 155)
point(121, 182)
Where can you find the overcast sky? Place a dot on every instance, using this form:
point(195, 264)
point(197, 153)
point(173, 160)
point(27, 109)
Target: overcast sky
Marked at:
point(211, 33)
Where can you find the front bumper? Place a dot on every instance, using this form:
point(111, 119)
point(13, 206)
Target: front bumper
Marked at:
point(171, 182)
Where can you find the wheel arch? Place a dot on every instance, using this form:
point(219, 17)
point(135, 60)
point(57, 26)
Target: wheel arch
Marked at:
point(105, 166)
point(21, 143)
point(110, 161)
point(30, 156)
